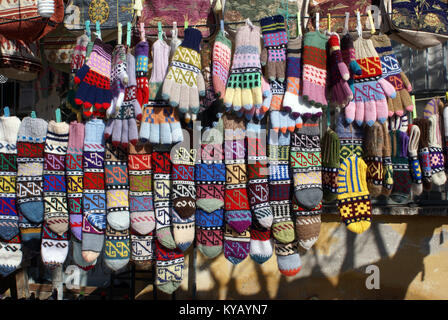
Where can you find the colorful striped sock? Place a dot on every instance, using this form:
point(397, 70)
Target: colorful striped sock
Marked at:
point(307, 223)
point(261, 244)
point(74, 176)
point(94, 194)
point(9, 220)
point(30, 160)
point(54, 247)
point(169, 268)
point(117, 250)
point(10, 255)
point(288, 259)
point(55, 187)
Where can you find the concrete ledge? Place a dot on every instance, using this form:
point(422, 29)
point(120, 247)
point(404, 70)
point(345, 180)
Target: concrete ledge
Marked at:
point(398, 210)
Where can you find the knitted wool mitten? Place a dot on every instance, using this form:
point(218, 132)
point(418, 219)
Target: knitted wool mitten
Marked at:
point(288, 258)
point(94, 79)
point(141, 72)
point(184, 82)
point(258, 171)
point(314, 74)
point(349, 58)
point(30, 160)
point(261, 244)
point(338, 74)
point(388, 171)
point(160, 55)
point(414, 165)
point(141, 203)
point(79, 55)
point(274, 51)
point(116, 248)
point(237, 212)
point(210, 174)
point(423, 152)
point(122, 125)
point(169, 268)
point(9, 226)
point(370, 90)
point(183, 192)
point(54, 247)
point(280, 120)
point(55, 188)
point(400, 163)
point(94, 194)
point(161, 164)
point(435, 152)
point(291, 101)
point(280, 186)
point(394, 75)
point(306, 164)
point(10, 255)
point(307, 224)
point(330, 164)
point(351, 136)
point(373, 156)
point(74, 176)
point(222, 56)
point(353, 196)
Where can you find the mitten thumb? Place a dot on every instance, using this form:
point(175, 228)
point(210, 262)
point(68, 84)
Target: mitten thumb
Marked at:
point(356, 69)
point(388, 88)
point(345, 74)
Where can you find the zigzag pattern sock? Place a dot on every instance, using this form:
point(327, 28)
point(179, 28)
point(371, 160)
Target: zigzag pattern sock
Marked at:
point(55, 187)
point(169, 268)
point(183, 193)
point(388, 171)
point(307, 223)
point(94, 194)
point(288, 259)
point(237, 213)
point(74, 176)
point(306, 164)
point(116, 248)
point(143, 249)
point(257, 168)
point(261, 244)
point(30, 161)
point(140, 189)
point(161, 164)
point(373, 156)
point(54, 248)
point(210, 178)
point(331, 147)
point(117, 187)
point(9, 220)
point(280, 186)
point(402, 177)
point(10, 255)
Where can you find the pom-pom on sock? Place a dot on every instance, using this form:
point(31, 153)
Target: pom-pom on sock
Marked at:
point(288, 258)
point(373, 156)
point(30, 160)
point(169, 268)
point(330, 165)
point(353, 195)
point(9, 220)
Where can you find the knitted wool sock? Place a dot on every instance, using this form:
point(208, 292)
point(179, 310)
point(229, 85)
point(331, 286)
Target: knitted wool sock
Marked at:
point(94, 194)
point(353, 196)
point(183, 192)
point(9, 226)
point(169, 268)
point(400, 163)
point(54, 248)
point(77, 256)
point(222, 52)
point(210, 178)
point(293, 77)
point(257, 168)
point(117, 188)
point(261, 244)
point(373, 158)
point(445, 135)
point(288, 259)
point(30, 235)
point(434, 106)
point(330, 164)
point(314, 72)
point(55, 188)
point(236, 245)
point(116, 248)
point(237, 214)
point(307, 224)
point(10, 255)
point(142, 249)
point(423, 152)
point(435, 151)
point(306, 164)
point(140, 189)
point(388, 171)
point(280, 186)
point(414, 165)
point(74, 176)
point(161, 164)
point(30, 160)
point(351, 137)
